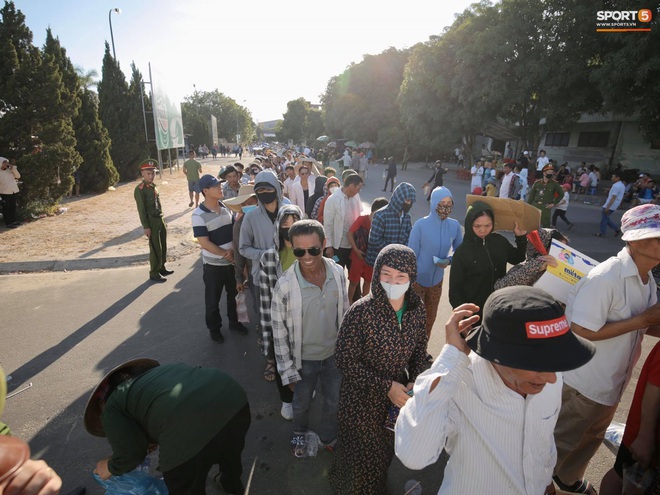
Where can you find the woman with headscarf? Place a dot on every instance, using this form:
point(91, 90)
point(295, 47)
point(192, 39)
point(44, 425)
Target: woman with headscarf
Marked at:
point(274, 262)
point(319, 191)
point(481, 259)
point(381, 348)
point(432, 238)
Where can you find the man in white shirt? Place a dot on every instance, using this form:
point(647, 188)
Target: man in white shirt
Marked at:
point(291, 177)
point(494, 409)
point(340, 211)
point(507, 183)
point(9, 191)
point(612, 202)
point(541, 162)
point(614, 305)
point(477, 172)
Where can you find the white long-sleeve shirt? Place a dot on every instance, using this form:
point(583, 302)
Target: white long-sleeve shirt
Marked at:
point(498, 440)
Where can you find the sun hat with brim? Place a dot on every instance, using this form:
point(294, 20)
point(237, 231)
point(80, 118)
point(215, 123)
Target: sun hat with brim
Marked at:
point(244, 193)
point(93, 410)
point(525, 328)
point(227, 170)
point(641, 222)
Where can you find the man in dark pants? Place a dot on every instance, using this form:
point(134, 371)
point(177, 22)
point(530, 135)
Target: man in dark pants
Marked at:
point(198, 417)
point(213, 227)
point(151, 217)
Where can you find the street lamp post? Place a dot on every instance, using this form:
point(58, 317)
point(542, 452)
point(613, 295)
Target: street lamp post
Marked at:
point(112, 38)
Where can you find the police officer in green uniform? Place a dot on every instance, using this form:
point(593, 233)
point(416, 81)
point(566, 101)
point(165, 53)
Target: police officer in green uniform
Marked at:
point(151, 218)
point(545, 193)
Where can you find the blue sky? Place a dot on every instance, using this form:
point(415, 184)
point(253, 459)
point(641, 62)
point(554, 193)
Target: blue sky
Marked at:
point(260, 53)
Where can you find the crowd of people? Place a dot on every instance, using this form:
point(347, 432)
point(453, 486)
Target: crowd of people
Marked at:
point(519, 397)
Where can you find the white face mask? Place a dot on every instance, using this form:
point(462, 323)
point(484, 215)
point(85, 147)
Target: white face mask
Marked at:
point(333, 189)
point(395, 292)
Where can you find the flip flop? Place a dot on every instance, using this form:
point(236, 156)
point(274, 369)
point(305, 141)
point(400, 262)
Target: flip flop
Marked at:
point(580, 486)
point(269, 372)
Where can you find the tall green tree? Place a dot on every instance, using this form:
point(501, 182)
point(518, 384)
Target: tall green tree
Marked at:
point(293, 124)
point(121, 113)
point(196, 112)
point(141, 147)
point(361, 102)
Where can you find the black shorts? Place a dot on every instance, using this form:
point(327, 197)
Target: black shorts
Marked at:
point(623, 458)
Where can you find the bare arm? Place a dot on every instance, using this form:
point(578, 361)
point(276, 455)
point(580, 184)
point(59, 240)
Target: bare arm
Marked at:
point(649, 318)
point(206, 243)
point(643, 447)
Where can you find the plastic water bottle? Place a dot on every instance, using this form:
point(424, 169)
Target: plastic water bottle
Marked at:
point(412, 487)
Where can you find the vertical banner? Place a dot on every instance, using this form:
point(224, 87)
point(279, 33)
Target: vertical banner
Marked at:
point(167, 115)
point(214, 130)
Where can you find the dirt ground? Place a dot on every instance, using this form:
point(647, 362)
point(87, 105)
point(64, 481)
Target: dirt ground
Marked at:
point(95, 227)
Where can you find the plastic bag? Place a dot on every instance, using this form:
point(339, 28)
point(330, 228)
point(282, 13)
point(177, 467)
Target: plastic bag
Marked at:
point(137, 482)
point(241, 308)
point(613, 436)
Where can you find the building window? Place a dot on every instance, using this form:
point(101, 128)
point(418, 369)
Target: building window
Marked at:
point(594, 139)
point(557, 138)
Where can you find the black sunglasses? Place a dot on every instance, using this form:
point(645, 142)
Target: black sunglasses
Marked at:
point(300, 252)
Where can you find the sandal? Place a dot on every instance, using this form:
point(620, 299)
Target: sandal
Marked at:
point(260, 342)
point(580, 486)
point(269, 372)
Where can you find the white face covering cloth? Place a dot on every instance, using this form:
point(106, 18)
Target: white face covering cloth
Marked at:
point(395, 291)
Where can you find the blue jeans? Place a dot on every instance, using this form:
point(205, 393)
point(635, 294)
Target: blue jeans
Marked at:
point(329, 376)
point(606, 221)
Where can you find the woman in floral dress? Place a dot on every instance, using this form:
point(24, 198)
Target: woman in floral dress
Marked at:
point(381, 348)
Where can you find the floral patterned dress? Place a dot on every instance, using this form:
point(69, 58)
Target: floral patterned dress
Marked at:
point(372, 351)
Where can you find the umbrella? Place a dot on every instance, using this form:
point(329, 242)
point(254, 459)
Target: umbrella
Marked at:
point(332, 145)
point(352, 144)
point(367, 144)
point(323, 138)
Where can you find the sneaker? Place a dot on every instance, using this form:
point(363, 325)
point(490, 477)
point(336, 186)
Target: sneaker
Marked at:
point(239, 327)
point(287, 411)
point(329, 446)
point(299, 446)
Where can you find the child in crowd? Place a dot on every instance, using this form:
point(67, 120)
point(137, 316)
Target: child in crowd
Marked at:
point(358, 236)
point(562, 206)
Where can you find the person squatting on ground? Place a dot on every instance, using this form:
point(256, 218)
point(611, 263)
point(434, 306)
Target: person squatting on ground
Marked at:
point(213, 227)
point(491, 400)
point(432, 238)
point(309, 302)
point(614, 305)
point(150, 211)
point(197, 416)
point(381, 348)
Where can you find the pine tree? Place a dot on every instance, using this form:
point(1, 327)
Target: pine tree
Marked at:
point(97, 171)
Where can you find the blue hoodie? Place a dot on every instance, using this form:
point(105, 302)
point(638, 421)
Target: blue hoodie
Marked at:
point(431, 237)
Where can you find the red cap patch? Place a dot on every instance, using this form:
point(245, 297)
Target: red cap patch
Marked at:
point(547, 329)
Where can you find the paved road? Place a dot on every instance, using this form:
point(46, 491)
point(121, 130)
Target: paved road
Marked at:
point(63, 331)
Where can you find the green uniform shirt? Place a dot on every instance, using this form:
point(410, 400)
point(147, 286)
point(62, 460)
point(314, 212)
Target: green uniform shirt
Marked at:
point(148, 203)
point(192, 168)
point(179, 407)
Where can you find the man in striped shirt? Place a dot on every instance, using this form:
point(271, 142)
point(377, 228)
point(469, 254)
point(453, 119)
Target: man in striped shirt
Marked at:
point(213, 227)
point(493, 409)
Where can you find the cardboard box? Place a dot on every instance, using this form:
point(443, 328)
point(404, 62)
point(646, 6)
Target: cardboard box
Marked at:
point(508, 211)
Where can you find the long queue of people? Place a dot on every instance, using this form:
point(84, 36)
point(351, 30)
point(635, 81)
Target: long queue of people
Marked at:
point(519, 396)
